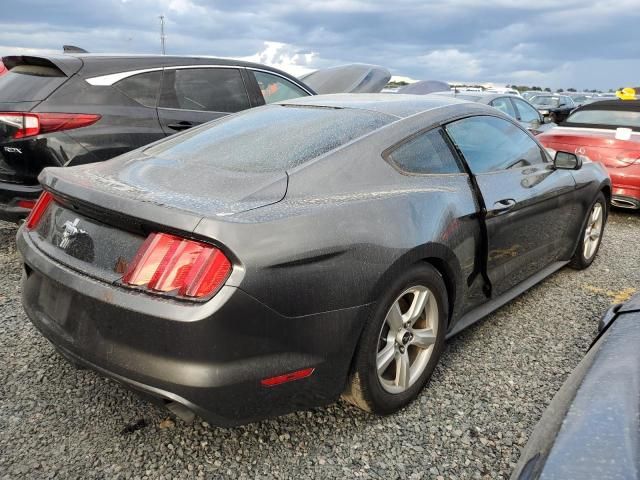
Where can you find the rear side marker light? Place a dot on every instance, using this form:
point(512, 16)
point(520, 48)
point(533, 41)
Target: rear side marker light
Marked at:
point(287, 377)
point(23, 125)
point(38, 210)
point(173, 265)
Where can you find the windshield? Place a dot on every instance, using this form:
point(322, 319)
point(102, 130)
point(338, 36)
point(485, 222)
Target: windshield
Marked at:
point(607, 118)
point(545, 101)
point(271, 138)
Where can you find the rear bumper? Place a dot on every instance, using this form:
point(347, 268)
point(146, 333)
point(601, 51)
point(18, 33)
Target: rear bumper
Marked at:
point(209, 357)
point(10, 194)
point(626, 186)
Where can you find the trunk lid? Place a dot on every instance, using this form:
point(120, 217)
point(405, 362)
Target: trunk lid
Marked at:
point(103, 212)
point(599, 145)
point(136, 182)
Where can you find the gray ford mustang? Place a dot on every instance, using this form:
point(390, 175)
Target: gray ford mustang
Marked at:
point(280, 257)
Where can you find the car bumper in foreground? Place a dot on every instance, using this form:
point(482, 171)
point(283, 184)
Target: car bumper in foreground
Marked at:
point(13, 198)
point(209, 357)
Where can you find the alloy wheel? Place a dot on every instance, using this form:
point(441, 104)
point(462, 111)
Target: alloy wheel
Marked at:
point(593, 232)
point(407, 339)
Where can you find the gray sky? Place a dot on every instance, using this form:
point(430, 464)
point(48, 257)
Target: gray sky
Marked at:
point(570, 43)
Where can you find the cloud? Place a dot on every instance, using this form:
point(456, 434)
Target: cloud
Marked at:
point(556, 44)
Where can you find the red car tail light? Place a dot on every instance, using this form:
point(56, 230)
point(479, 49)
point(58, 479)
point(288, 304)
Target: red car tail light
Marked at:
point(38, 210)
point(170, 264)
point(3, 68)
point(24, 125)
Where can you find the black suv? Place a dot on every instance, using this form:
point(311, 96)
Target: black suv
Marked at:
point(75, 109)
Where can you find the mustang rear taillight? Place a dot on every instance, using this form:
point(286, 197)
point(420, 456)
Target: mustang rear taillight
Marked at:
point(177, 266)
point(38, 210)
point(23, 125)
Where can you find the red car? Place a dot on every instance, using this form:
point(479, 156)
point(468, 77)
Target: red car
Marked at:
point(607, 132)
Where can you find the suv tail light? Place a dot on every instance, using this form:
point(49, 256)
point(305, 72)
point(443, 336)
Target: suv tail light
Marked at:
point(38, 210)
point(3, 68)
point(22, 125)
point(178, 266)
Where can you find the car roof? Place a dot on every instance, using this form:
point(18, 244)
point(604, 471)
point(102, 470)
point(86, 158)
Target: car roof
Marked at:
point(398, 105)
point(482, 97)
point(617, 104)
point(97, 64)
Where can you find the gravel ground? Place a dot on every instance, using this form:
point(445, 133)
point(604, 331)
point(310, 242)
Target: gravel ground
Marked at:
point(491, 387)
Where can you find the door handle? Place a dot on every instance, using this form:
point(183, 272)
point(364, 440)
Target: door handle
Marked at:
point(504, 205)
point(180, 125)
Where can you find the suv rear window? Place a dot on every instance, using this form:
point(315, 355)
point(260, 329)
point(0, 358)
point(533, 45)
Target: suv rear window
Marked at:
point(271, 138)
point(24, 83)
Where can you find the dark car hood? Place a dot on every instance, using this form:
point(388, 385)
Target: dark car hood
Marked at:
point(196, 188)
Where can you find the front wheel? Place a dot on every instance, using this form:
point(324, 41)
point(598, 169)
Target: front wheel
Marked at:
point(401, 344)
point(591, 235)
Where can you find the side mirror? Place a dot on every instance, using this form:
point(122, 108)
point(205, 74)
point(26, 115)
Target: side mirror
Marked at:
point(567, 161)
point(546, 119)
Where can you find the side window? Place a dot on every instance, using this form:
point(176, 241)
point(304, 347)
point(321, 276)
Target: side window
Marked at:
point(277, 89)
point(527, 112)
point(504, 105)
point(143, 88)
point(490, 143)
point(428, 152)
point(207, 89)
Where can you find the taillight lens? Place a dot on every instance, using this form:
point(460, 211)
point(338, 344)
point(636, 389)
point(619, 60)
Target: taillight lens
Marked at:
point(3, 68)
point(38, 210)
point(22, 125)
point(174, 265)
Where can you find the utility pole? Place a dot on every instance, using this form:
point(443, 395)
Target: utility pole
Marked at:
point(162, 35)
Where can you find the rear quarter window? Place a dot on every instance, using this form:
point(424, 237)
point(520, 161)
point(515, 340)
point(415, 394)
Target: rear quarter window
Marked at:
point(426, 153)
point(143, 88)
point(204, 89)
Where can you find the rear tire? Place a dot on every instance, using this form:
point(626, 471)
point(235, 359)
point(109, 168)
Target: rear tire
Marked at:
point(401, 343)
point(591, 234)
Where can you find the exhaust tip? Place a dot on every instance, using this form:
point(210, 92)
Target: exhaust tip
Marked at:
point(627, 203)
point(180, 411)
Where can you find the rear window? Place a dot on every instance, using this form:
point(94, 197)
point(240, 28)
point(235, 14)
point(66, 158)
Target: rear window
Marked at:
point(606, 118)
point(29, 83)
point(271, 138)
